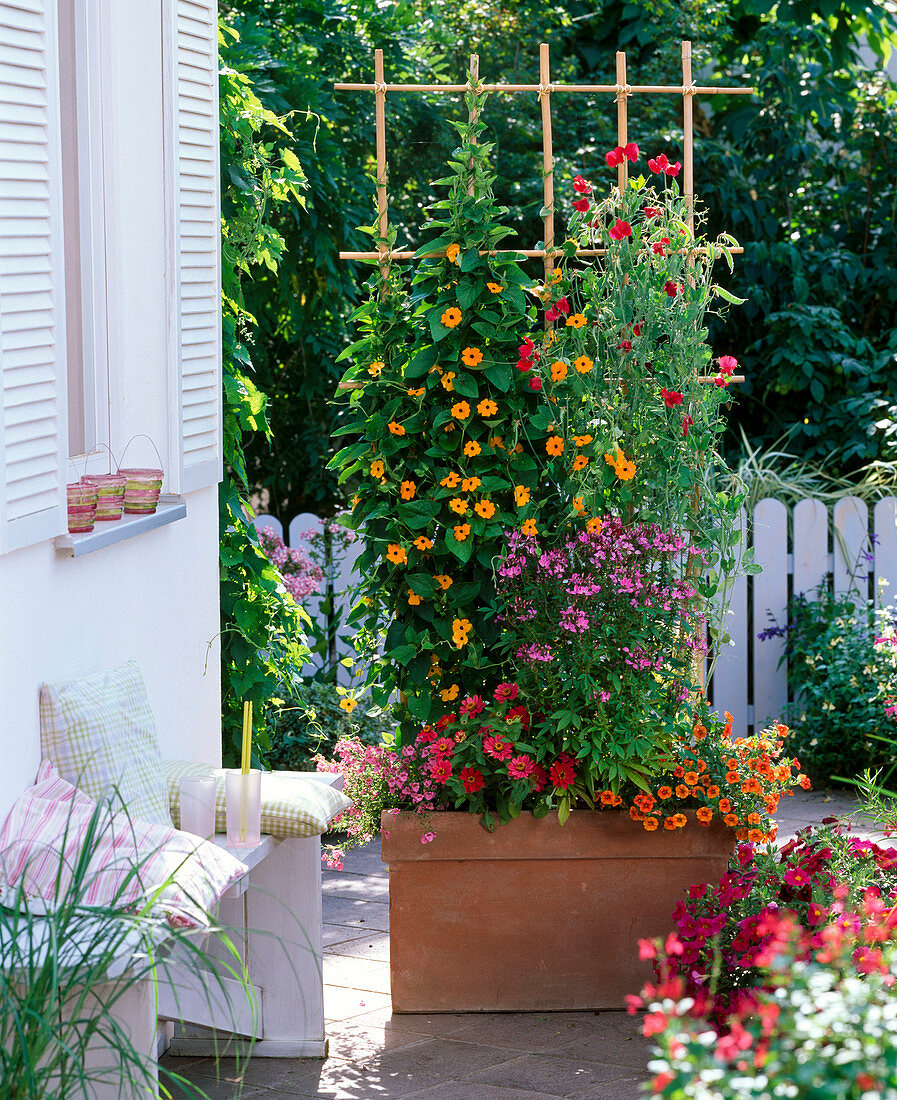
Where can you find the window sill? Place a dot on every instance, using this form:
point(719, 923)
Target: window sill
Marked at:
point(171, 508)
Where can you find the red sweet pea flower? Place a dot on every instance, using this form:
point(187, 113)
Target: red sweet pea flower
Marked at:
point(659, 164)
point(535, 383)
point(686, 424)
point(637, 328)
point(625, 345)
point(673, 169)
point(619, 230)
point(670, 397)
point(614, 157)
point(721, 381)
point(657, 248)
point(631, 151)
point(524, 364)
point(672, 288)
point(727, 364)
point(562, 305)
point(582, 205)
point(652, 211)
point(472, 780)
point(582, 186)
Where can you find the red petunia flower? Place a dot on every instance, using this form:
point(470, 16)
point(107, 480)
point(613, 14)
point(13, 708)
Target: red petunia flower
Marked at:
point(620, 230)
point(472, 780)
point(582, 186)
point(670, 397)
point(582, 205)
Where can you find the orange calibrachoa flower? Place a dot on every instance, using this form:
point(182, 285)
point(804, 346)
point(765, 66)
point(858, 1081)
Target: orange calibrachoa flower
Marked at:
point(575, 320)
point(580, 462)
point(682, 791)
point(450, 693)
point(669, 823)
point(376, 369)
point(521, 495)
point(460, 410)
point(423, 543)
point(413, 597)
point(528, 527)
point(396, 428)
point(446, 380)
point(472, 356)
point(681, 820)
point(452, 253)
point(472, 448)
point(484, 508)
point(495, 288)
point(650, 823)
point(377, 468)
point(444, 581)
point(470, 484)
point(451, 481)
point(396, 554)
point(731, 820)
point(705, 815)
point(583, 364)
point(462, 531)
point(451, 318)
point(487, 407)
point(664, 793)
point(554, 445)
point(407, 490)
point(558, 371)
point(594, 524)
point(417, 393)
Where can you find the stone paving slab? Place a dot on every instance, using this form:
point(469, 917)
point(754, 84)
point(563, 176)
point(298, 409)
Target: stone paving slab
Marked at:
point(450, 1056)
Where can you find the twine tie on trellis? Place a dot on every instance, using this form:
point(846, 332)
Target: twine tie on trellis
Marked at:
point(380, 87)
point(622, 90)
point(545, 89)
point(690, 89)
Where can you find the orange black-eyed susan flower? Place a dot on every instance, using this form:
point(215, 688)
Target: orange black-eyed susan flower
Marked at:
point(450, 427)
point(583, 440)
point(348, 704)
point(451, 481)
point(554, 445)
point(459, 505)
point(580, 462)
point(487, 407)
point(407, 490)
point(484, 508)
point(417, 393)
point(521, 495)
point(461, 628)
point(396, 428)
point(446, 380)
point(594, 525)
point(461, 531)
point(575, 320)
point(528, 527)
point(413, 597)
point(396, 554)
point(472, 448)
point(376, 369)
point(452, 253)
point(579, 504)
point(471, 356)
point(423, 543)
point(450, 693)
point(460, 410)
point(558, 371)
point(377, 468)
point(444, 581)
point(470, 484)
point(497, 442)
point(451, 318)
point(495, 288)
point(583, 364)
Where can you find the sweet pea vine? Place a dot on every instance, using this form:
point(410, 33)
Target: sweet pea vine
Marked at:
point(444, 448)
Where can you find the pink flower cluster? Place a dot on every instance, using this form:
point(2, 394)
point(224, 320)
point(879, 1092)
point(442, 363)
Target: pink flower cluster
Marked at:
point(301, 576)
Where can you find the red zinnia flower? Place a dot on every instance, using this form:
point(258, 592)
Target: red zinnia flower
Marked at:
point(539, 777)
point(563, 772)
point(581, 185)
point(498, 748)
point(473, 705)
point(444, 746)
point(582, 205)
point(670, 397)
point(518, 712)
point(506, 693)
point(441, 770)
point(520, 767)
point(445, 720)
point(427, 734)
point(620, 230)
point(472, 780)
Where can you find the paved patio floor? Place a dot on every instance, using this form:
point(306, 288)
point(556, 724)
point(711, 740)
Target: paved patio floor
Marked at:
point(503, 1056)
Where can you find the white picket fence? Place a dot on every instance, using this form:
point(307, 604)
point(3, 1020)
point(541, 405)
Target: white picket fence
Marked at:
point(798, 550)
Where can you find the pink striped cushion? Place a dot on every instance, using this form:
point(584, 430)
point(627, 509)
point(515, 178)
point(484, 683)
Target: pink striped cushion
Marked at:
point(131, 863)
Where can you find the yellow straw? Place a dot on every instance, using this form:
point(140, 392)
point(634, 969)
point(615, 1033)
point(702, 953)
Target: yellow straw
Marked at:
point(247, 737)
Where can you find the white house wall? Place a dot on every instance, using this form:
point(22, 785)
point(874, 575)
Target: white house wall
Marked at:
point(155, 596)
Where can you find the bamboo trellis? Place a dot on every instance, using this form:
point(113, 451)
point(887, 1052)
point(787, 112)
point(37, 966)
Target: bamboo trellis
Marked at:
point(544, 89)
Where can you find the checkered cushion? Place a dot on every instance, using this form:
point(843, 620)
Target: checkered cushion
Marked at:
point(293, 804)
point(129, 861)
point(99, 733)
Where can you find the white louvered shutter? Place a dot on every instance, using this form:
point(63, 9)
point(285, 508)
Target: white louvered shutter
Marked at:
point(193, 100)
point(32, 337)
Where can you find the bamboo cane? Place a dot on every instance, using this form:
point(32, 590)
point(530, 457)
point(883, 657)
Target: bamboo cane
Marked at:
point(688, 127)
point(622, 127)
point(473, 114)
point(547, 160)
point(500, 89)
point(526, 253)
point(380, 128)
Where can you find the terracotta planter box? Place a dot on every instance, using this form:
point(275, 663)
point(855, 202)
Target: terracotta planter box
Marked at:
point(536, 916)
